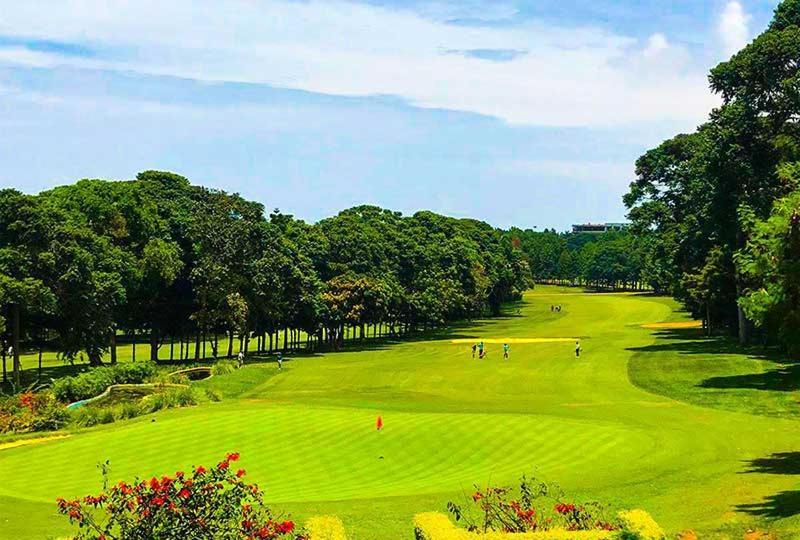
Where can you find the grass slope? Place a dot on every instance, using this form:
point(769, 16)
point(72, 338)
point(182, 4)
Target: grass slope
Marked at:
point(692, 458)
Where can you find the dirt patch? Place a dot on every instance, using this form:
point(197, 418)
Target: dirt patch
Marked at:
point(26, 442)
point(673, 325)
point(516, 340)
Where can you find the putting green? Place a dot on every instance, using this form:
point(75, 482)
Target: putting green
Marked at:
point(307, 433)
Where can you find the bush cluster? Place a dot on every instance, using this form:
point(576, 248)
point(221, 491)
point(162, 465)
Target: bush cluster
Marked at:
point(207, 503)
point(30, 411)
point(634, 525)
point(95, 381)
point(224, 367)
point(89, 415)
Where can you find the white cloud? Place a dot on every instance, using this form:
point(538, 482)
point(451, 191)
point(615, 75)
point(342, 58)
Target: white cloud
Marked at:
point(732, 29)
point(571, 76)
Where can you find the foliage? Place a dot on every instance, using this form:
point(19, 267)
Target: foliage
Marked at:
point(325, 528)
point(91, 415)
point(208, 503)
point(615, 260)
point(159, 257)
point(639, 525)
point(771, 261)
point(31, 411)
point(95, 381)
point(633, 525)
point(533, 506)
point(691, 191)
point(224, 367)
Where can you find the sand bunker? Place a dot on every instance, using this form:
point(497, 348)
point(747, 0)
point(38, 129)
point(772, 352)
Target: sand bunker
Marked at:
point(25, 442)
point(516, 340)
point(673, 325)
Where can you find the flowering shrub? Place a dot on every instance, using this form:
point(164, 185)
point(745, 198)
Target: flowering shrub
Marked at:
point(30, 411)
point(435, 526)
point(638, 525)
point(534, 506)
point(325, 528)
point(215, 503)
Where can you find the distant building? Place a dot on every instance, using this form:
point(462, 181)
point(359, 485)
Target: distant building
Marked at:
point(599, 228)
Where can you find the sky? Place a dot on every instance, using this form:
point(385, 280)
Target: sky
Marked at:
point(517, 112)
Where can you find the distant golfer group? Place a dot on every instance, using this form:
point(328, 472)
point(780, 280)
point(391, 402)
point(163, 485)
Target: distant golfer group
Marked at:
point(480, 348)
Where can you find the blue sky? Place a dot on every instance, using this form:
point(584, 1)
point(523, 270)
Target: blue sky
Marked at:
point(529, 113)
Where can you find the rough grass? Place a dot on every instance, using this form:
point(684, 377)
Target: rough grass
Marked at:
point(307, 434)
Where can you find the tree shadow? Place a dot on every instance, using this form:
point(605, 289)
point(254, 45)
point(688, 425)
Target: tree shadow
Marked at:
point(777, 463)
point(785, 379)
point(692, 341)
point(781, 505)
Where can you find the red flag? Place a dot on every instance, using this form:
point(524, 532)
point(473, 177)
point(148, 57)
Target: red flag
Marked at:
point(379, 423)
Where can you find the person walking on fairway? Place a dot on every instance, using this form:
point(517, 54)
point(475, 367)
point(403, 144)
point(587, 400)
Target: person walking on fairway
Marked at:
point(480, 349)
point(577, 349)
point(473, 350)
point(240, 358)
point(506, 347)
point(280, 360)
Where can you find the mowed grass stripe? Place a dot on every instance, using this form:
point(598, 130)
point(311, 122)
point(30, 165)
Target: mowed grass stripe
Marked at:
point(319, 454)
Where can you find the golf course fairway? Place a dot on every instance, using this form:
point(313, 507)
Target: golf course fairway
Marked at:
point(690, 429)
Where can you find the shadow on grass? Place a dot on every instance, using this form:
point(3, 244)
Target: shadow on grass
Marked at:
point(778, 463)
point(781, 505)
point(785, 377)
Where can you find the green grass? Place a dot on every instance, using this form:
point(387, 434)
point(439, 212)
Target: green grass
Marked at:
point(692, 439)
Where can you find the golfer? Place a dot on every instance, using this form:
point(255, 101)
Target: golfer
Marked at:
point(506, 347)
point(240, 358)
point(473, 350)
point(280, 361)
point(577, 349)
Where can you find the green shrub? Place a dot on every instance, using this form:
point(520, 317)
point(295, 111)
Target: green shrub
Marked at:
point(223, 367)
point(168, 399)
point(213, 395)
point(95, 381)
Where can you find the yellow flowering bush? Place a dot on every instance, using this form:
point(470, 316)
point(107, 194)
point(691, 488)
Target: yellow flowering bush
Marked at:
point(325, 528)
point(435, 526)
point(639, 525)
point(634, 525)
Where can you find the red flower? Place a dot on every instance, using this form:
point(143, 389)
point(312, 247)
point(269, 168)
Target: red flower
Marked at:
point(240, 473)
point(477, 496)
point(223, 465)
point(154, 485)
point(233, 456)
point(200, 470)
point(286, 527)
point(184, 493)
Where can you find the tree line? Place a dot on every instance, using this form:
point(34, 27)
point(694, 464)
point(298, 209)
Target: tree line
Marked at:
point(717, 209)
point(85, 264)
point(612, 260)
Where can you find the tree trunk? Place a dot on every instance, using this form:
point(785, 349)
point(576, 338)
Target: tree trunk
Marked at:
point(5, 371)
point(15, 321)
point(40, 362)
point(153, 345)
point(197, 346)
point(133, 352)
point(113, 346)
point(230, 343)
point(171, 348)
